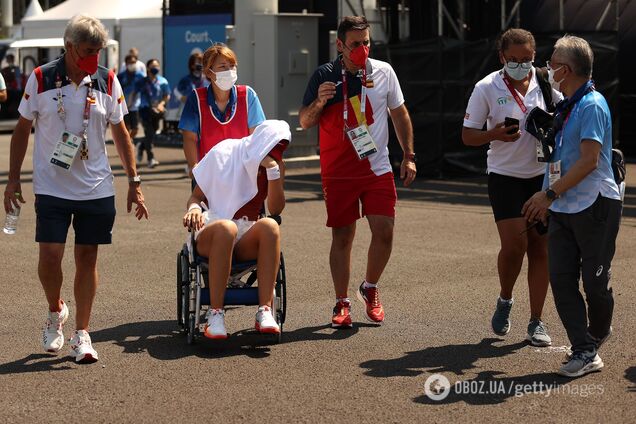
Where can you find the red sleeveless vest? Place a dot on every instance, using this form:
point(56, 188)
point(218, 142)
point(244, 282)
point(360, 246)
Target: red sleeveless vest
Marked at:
point(212, 131)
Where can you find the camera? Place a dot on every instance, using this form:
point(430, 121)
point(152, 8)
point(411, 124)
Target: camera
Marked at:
point(540, 124)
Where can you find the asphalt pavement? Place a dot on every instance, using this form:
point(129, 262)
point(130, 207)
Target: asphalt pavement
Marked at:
point(439, 291)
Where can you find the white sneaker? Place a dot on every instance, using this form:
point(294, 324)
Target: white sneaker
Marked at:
point(265, 322)
point(81, 348)
point(215, 327)
point(53, 337)
point(152, 163)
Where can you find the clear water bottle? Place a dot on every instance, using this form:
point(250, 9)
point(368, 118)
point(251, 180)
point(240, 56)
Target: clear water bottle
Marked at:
point(11, 221)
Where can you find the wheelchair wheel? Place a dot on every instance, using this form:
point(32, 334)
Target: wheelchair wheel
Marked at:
point(281, 289)
point(279, 336)
point(185, 307)
point(179, 291)
point(191, 328)
point(183, 273)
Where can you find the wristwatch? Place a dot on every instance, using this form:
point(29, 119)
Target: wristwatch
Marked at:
point(135, 179)
point(410, 156)
point(551, 194)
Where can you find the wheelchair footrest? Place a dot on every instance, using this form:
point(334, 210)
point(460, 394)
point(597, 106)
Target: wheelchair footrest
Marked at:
point(243, 296)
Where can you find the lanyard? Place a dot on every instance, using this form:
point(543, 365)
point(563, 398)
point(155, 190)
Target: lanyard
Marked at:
point(345, 98)
point(568, 105)
point(90, 99)
point(565, 121)
point(514, 93)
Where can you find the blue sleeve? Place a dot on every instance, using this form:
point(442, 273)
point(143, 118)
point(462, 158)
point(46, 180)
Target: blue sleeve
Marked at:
point(139, 85)
point(190, 116)
point(184, 85)
point(255, 114)
point(165, 88)
point(593, 122)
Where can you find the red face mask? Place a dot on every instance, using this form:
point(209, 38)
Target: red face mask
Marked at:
point(87, 64)
point(359, 55)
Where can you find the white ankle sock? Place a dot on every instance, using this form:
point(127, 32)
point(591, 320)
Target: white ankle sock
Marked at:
point(367, 285)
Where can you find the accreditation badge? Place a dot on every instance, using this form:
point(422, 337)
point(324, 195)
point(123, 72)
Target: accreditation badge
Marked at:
point(555, 172)
point(362, 141)
point(65, 150)
point(541, 157)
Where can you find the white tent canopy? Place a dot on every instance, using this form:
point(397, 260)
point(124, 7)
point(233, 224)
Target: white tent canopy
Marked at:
point(132, 23)
point(34, 9)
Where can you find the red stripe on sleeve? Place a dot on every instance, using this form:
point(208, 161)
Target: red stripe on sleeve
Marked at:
point(38, 75)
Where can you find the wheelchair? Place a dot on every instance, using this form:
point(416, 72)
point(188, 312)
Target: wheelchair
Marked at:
point(193, 295)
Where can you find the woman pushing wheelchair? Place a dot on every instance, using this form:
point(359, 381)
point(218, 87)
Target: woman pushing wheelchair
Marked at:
point(235, 179)
point(235, 195)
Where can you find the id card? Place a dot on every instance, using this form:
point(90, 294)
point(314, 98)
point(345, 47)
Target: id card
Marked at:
point(65, 150)
point(540, 155)
point(362, 142)
point(555, 172)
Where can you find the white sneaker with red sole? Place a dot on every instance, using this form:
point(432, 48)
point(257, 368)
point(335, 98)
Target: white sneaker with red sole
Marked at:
point(82, 348)
point(265, 322)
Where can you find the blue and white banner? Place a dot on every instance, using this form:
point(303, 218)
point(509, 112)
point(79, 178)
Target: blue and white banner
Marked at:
point(184, 35)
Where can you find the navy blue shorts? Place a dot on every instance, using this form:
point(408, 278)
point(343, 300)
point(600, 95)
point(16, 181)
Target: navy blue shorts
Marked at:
point(92, 219)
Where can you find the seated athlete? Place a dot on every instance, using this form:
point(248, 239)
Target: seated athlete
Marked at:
point(221, 233)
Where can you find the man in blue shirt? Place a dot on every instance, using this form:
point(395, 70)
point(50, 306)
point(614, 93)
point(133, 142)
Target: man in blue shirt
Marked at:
point(585, 206)
point(129, 78)
point(154, 92)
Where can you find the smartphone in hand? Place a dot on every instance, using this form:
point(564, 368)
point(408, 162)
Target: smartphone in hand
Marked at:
point(509, 122)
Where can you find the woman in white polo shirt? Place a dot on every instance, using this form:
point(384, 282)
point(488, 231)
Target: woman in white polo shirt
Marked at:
point(514, 173)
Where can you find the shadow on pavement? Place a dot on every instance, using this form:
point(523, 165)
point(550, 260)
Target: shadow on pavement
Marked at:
point(630, 374)
point(37, 362)
point(451, 358)
point(163, 340)
point(488, 389)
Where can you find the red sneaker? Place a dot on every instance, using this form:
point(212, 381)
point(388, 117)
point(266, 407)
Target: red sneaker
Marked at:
point(371, 299)
point(341, 315)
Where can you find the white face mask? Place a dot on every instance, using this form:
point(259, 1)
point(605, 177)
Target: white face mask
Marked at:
point(131, 67)
point(225, 79)
point(520, 72)
point(555, 84)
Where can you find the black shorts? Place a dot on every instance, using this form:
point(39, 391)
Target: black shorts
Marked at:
point(132, 119)
point(92, 219)
point(508, 194)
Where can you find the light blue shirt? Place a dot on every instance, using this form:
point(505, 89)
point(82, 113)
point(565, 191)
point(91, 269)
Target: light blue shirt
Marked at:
point(152, 92)
point(190, 116)
point(590, 119)
point(129, 82)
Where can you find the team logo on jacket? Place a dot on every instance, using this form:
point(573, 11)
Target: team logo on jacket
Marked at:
point(502, 100)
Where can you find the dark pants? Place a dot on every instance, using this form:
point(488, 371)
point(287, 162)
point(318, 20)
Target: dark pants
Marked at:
point(584, 243)
point(150, 122)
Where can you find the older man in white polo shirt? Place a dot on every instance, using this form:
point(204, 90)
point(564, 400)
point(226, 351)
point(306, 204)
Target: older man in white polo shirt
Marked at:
point(73, 100)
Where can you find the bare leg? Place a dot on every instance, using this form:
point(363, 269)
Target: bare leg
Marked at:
point(340, 257)
point(538, 280)
point(85, 283)
point(513, 249)
point(380, 247)
point(216, 242)
point(262, 242)
point(50, 273)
